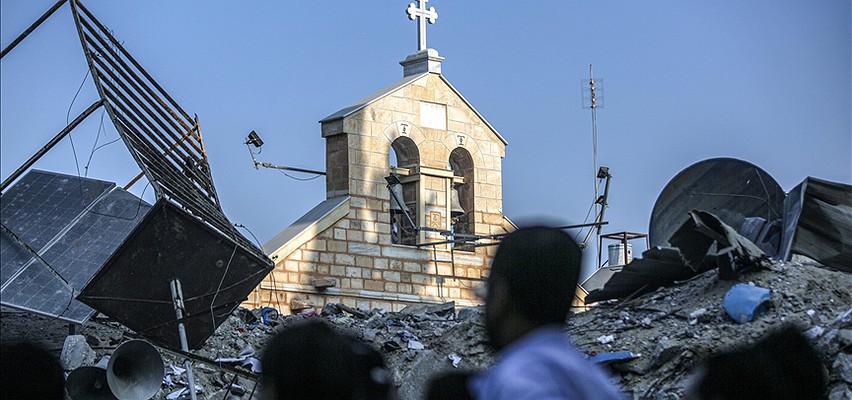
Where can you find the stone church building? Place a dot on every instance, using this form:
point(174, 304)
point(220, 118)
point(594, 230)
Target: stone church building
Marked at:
point(413, 191)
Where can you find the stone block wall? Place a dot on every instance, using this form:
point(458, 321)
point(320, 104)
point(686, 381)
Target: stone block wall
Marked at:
point(369, 272)
point(356, 252)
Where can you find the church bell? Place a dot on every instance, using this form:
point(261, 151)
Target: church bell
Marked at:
point(397, 202)
point(456, 209)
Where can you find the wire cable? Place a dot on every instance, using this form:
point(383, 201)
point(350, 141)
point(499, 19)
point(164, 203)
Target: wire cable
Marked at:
point(297, 178)
point(218, 288)
point(95, 146)
point(589, 213)
point(271, 274)
point(765, 191)
point(68, 119)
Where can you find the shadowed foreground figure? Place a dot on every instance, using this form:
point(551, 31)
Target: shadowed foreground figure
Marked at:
point(451, 385)
point(310, 360)
point(28, 372)
point(533, 279)
point(782, 365)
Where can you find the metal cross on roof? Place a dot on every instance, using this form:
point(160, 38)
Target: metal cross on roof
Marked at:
point(423, 14)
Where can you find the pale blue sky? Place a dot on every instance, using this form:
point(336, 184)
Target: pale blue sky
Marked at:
point(764, 81)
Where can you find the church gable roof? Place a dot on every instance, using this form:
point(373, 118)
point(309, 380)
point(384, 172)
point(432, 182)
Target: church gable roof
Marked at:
point(360, 104)
point(314, 222)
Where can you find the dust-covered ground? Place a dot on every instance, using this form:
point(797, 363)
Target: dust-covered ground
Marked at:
point(670, 330)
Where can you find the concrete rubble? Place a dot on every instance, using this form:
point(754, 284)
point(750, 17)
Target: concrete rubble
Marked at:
point(76, 353)
point(651, 343)
point(674, 328)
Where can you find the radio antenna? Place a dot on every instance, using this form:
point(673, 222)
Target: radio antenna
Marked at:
point(592, 90)
point(593, 99)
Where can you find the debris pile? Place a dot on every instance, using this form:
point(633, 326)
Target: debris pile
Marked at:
point(672, 329)
point(652, 343)
point(418, 342)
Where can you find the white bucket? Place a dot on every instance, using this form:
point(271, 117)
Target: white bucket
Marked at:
point(616, 254)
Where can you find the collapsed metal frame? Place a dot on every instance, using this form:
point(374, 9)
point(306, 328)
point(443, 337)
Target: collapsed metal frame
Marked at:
point(160, 135)
point(162, 138)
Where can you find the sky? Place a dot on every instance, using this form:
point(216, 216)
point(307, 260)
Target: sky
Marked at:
point(768, 82)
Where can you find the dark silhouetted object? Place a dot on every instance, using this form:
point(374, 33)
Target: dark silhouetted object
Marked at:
point(783, 365)
point(29, 372)
point(450, 385)
point(310, 360)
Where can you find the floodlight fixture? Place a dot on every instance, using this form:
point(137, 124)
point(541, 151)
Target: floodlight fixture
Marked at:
point(254, 139)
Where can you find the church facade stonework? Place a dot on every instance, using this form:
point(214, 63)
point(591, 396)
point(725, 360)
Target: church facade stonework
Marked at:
point(413, 201)
point(363, 253)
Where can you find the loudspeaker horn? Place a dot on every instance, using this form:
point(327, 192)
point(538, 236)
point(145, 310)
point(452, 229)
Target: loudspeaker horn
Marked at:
point(88, 383)
point(135, 371)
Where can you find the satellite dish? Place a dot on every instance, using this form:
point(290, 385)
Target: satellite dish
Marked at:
point(729, 188)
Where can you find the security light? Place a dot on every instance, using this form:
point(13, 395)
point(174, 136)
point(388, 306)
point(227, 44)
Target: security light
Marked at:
point(254, 139)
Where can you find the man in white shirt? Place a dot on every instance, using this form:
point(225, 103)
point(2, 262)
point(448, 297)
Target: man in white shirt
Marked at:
point(533, 278)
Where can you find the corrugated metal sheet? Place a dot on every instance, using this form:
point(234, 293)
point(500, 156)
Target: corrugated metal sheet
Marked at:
point(818, 223)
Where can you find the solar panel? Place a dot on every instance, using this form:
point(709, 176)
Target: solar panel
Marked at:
point(58, 232)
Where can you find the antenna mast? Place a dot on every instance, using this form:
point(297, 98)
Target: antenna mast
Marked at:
point(593, 98)
point(594, 105)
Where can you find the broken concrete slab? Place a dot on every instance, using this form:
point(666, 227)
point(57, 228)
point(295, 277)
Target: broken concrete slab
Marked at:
point(597, 279)
point(693, 253)
point(76, 352)
point(441, 310)
point(659, 266)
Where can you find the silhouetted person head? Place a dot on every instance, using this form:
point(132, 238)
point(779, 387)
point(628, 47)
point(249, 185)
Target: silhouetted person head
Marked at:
point(782, 365)
point(29, 372)
point(450, 385)
point(311, 360)
point(533, 279)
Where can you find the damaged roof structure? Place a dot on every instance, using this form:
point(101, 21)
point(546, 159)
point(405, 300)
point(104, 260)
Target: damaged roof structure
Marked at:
point(814, 221)
point(184, 237)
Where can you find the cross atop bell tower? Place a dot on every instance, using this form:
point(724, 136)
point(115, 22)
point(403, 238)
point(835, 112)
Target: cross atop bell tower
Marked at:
point(423, 15)
point(424, 59)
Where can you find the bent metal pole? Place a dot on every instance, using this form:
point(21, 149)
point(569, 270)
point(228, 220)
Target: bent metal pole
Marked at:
point(50, 144)
point(177, 299)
